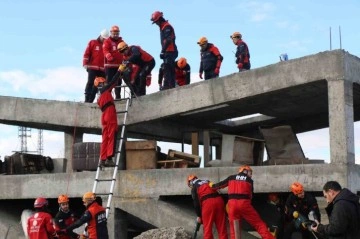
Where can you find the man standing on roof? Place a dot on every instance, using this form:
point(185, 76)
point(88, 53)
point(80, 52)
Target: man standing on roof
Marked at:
point(210, 59)
point(182, 73)
point(169, 50)
point(209, 207)
point(94, 216)
point(93, 62)
point(113, 58)
point(65, 217)
point(136, 55)
point(242, 54)
point(108, 119)
point(240, 191)
point(39, 225)
point(301, 203)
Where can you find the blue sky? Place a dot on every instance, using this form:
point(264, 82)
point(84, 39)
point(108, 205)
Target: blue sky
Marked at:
point(43, 42)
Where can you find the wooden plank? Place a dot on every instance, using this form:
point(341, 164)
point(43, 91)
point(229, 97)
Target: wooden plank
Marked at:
point(195, 143)
point(186, 156)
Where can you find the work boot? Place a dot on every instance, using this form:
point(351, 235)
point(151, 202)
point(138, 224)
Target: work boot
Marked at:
point(109, 163)
point(102, 163)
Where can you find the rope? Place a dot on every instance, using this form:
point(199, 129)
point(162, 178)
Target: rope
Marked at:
point(72, 146)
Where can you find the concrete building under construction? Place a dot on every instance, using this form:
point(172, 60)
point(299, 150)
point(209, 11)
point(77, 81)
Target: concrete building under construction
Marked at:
point(289, 97)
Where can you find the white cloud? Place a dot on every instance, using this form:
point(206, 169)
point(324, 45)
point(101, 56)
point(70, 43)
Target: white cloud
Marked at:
point(259, 11)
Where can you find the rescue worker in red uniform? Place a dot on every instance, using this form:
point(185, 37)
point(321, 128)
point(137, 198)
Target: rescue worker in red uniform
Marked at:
point(182, 73)
point(108, 119)
point(169, 50)
point(136, 55)
point(240, 191)
point(210, 59)
point(39, 225)
point(93, 62)
point(209, 207)
point(303, 203)
point(65, 217)
point(94, 216)
point(242, 53)
point(113, 58)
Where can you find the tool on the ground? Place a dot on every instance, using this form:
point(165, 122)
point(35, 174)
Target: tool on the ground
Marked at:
point(197, 228)
point(303, 223)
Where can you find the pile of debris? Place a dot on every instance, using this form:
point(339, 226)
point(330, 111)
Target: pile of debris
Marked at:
point(164, 233)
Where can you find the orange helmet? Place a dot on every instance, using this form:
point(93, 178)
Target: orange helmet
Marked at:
point(114, 29)
point(40, 202)
point(122, 46)
point(245, 169)
point(63, 198)
point(89, 197)
point(297, 188)
point(202, 41)
point(236, 35)
point(181, 63)
point(99, 80)
point(190, 179)
point(156, 16)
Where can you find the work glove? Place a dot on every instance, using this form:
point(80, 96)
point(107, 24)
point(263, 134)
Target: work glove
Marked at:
point(217, 71)
point(109, 57)
point(240, 66)
point(162, 55)
point(148, 80)
point(200, 75)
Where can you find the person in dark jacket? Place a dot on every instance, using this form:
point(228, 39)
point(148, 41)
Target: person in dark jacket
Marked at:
point(242, 54)
point(135, 55)
point(240, 192)
point(94, 216)
point(65, 217)
point(343, 211)
point(209, 207)
point(182, 73)
point(210, 59)
point(169, 50)
point(299, 202)
point(93, 62)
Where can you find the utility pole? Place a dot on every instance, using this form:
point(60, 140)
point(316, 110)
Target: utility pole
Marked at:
point(40, 148)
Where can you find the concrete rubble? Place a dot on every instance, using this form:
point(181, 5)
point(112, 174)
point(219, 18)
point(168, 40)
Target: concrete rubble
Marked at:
point(164, 233)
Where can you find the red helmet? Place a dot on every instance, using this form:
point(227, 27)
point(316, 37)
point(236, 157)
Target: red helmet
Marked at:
point(273, 197)
point(297, 188)
point(114, 29)
point(63, 198)
point(156, 16)
point(40, 202)
point(191, 178)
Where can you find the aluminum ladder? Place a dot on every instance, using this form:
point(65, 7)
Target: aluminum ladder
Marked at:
point(101, 173)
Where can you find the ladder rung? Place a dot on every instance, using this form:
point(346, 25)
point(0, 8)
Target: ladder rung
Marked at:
point(121, 112)
point(121, 99)
point(106, 180)
point(103, 194)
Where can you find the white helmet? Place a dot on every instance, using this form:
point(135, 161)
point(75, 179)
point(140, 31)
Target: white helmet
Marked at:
point(104, 34)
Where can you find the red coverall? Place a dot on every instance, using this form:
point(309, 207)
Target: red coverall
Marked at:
point(240, 190)
point(108, 120)
point(40, 226)
point(210, 207)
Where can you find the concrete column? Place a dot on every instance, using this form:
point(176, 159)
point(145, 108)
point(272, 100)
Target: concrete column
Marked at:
point(341, 122)
point(120, 224)
point(206, 140)
point(195, 143)
point(70, 138)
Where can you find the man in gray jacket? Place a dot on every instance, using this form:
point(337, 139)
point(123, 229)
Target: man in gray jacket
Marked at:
point(343, 211)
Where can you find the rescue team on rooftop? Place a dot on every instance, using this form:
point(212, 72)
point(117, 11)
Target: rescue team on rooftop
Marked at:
point(104, 56)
